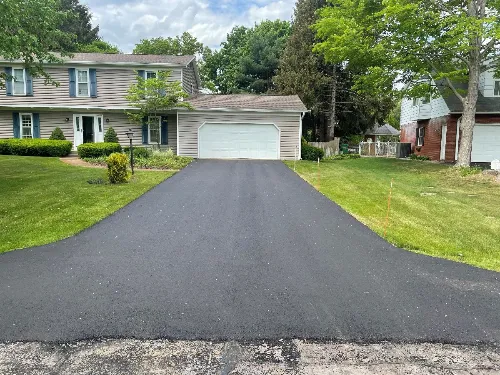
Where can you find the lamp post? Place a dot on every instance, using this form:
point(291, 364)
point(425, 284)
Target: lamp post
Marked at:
point(130, 136)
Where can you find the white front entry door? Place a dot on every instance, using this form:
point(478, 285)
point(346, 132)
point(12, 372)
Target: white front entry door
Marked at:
point(485, 143)
point(87, 128)
point(238, 141)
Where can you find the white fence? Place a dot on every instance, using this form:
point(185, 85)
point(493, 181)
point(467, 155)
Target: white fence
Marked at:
point(330, 148)
point(378, 148)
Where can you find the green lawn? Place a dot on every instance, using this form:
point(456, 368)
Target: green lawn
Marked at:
point(44, 200)
point(434, 210)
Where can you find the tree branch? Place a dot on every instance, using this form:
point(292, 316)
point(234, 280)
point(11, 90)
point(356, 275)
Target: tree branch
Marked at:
point(448, 81)
point(488, 47)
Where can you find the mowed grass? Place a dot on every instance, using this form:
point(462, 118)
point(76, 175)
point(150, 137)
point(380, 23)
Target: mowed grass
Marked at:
point(434, 210)
point(43, 200)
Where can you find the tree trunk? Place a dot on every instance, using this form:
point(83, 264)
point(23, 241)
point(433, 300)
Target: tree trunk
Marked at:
point(333, 105)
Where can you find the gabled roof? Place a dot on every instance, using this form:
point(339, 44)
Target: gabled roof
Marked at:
point(290, 103)
point(385, 129)
point(484, 104)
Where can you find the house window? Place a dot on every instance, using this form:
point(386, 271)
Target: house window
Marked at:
point(26, 120)
point(496, 89)
point(154, 129)
point(426, 99)
point(150, 74)
point(420, 136)
point(19, 81)
point(82, 82)
point(415, 102)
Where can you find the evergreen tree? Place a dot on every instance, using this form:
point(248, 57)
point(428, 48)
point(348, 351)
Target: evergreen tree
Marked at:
point(110, 136)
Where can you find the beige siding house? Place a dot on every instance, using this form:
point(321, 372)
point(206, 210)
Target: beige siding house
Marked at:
point(90, 98)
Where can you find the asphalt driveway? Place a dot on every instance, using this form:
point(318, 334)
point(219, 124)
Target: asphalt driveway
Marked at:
point(240, 250)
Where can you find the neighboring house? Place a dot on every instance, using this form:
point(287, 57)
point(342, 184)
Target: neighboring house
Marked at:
point(430, 125)
point(385, 130)
point(91, 97)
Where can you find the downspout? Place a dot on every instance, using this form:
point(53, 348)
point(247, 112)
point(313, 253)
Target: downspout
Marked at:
point(457, 138)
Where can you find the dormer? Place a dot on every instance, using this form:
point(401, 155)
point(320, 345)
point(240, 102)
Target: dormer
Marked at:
point(489, 86)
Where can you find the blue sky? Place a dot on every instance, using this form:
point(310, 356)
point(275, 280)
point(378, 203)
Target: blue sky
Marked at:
point(125, 22)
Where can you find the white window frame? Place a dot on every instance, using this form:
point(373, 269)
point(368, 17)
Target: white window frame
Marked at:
point(14, 82)
point(494, 83)
point(77, 70)
point(415, 102)
point(419, 137)
point(21, 124)
point(149, 129)
point(150, 71)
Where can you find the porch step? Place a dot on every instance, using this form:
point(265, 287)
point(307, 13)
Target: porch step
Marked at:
point(73, 153)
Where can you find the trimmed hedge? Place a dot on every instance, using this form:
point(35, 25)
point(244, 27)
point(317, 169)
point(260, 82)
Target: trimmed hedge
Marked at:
point(110, 136)
point(57, 134)
point(309, 152)
point(94, 150)
point(117, 168)
point(35, 147)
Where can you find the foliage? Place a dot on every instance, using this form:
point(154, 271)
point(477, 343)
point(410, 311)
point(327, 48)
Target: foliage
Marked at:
point(93, 150)
point(425, 223)
point(98, 46)
point(96, 181)
point(139, 152)
point(35, 147)
point(35, 188)
point(428, 47)
point(154, 96)
point(110, 136)
point(117, 168)
point(419, 157)
point(469, 171)
point(342, 157)
point(154, 160)
point(77, 25)
point(394, 116)
point(29, 33)
point(57, 134)
point(185, 44)
point(309, 152)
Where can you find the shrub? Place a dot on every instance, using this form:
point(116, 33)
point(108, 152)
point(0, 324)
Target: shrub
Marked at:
point(35, 147)
point(94, 150)
point(117, 168)
point(419, 157)
point(110, 136)
point(342, 157)
point(139, 152)
point(468, 171)
point(309, 152)
point(57, 135)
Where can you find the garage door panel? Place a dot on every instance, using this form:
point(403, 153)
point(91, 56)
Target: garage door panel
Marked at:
point(485, 143)
point(238, 141)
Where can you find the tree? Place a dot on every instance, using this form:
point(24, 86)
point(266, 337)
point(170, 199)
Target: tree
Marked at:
point(98, 46)
point(185, 44)
point(153, 97)
point(110, 136)
point(417, 43)
point(57, 134)
point(78, 25)
point(29, 32)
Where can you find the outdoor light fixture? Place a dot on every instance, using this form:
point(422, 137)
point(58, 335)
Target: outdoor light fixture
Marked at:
point(67, 119)
point(107, 120)
point(130, 136)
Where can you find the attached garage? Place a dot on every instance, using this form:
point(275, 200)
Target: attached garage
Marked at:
point(238, 141)
point(241, 127)
point(485, 143)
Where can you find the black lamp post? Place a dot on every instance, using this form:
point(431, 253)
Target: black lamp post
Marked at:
point(130, 136)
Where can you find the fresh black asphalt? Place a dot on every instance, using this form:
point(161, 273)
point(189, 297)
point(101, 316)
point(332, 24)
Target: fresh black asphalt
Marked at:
point(240, 250)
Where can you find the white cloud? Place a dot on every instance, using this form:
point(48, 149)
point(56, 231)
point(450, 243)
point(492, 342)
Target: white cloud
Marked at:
point(125, 23)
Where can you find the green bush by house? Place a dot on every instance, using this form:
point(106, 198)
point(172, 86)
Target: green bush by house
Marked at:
point(139, 152)
point(110, 136)
point(419, 157)
point(35, 147)
point(309, 152)
point(95, 150)
point(117, 168)
point(57, 135)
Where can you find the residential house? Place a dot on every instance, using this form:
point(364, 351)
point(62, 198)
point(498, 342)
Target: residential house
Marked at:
point(91, 97)
point(430, 124)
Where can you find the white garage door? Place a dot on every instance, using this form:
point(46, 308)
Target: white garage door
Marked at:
point(485, 143)
point(238, 141)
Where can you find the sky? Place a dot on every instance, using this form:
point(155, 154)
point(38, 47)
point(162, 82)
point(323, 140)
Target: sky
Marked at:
point(125, 22)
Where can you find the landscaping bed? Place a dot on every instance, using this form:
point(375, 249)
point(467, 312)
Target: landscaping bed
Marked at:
point(436, 209)
point(44, 200)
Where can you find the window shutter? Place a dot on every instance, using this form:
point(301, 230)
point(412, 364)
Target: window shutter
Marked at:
point(164, 130)
point(29, 83)
point(8, 81)
point(16, 125)
point(36, 125)
point(72, 82)
point(141, 73)
point(93, 83)
point(145, 131)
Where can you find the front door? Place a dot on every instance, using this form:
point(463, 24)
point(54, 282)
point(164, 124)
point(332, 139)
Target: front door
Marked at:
point(88, 128)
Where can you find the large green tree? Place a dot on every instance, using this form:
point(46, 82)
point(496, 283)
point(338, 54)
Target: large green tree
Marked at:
point(98, 46)
point(184, 44)
point(418, 43)
point(29, 32)
point(77, 24)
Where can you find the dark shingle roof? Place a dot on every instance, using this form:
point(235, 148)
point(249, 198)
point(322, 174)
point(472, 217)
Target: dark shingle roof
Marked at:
point(248, 101)
point(129, 58)
point(385, 129)
point(484, 105)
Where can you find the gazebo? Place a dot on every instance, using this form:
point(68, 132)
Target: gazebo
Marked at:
point(383, 130)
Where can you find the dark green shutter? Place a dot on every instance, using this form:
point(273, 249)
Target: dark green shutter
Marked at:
point(8, 81)
point(145, 131)
point(72, 82)
point(29, 83)
point(36, 125)
point(141, 73)
point(15, 125)
point(164, 130)
point(93, 83)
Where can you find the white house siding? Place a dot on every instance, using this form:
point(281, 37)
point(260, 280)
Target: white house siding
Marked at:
point(112, 86)
point(487, 84)
point(189, 83)
point(288, 123)
point(410, 113)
